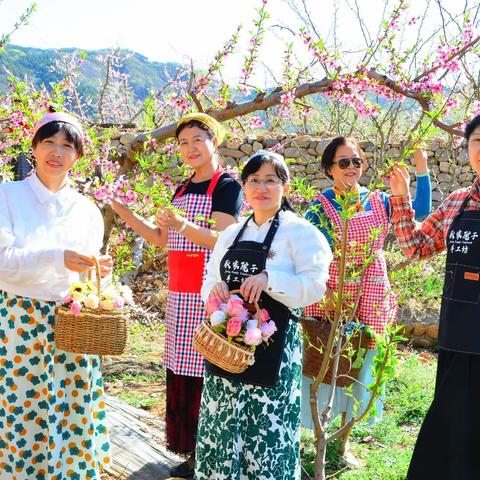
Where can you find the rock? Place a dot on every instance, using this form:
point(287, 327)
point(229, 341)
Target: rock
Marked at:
point(127, 138)
point(419, 329)
point(432, 331)
point(233, 144)
point(293, 152)
point(444, 167)
point(320, 148)
point(393, 152)
point(257, 146)
point(230, 152)
point(302, 142)
point(246, 148)
point(437, 196)
point(270, 142)
point(231, 162)
point(462, 157)
point(322, 183)
point(422, 342)
point(444, 178)
point(296, 168)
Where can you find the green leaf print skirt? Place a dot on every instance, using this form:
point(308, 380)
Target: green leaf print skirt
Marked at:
point(247, 432)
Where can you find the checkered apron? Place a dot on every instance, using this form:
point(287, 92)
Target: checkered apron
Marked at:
point(185, 310)
point(377, 305)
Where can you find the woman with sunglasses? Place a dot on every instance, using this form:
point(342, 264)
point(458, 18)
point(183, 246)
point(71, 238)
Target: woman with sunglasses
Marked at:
point(343, 162)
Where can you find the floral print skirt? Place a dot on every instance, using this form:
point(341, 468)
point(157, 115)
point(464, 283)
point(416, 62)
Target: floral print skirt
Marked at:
point(247, 432)
point(52, 411)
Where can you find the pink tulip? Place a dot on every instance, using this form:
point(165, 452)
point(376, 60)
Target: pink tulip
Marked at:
point(75, 308)
point(67, 299)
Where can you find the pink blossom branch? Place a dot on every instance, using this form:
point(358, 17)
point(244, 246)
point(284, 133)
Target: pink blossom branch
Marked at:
point(458, 54)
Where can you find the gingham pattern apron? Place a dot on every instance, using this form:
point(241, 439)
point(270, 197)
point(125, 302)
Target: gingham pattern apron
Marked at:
point(377, 304)
point(185, 311)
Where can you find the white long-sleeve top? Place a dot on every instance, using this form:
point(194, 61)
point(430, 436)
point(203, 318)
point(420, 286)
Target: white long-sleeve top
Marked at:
point(36, 227)
point(297, 266)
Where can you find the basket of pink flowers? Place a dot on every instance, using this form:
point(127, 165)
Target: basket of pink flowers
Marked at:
point(92, 320)
point(231, 333)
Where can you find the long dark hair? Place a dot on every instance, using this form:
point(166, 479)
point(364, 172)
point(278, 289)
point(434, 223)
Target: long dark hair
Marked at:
point(262, 157)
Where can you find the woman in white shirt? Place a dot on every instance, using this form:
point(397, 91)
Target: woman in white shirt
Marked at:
point(249, 423)
point(52, 413)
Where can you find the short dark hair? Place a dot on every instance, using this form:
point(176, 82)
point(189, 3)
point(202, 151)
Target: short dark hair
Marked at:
point(262, 157)
point(52, 128)
point(194, 123)
point(471, 126)
point(331, 149)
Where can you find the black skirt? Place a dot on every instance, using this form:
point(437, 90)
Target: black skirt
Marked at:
point(448, 445)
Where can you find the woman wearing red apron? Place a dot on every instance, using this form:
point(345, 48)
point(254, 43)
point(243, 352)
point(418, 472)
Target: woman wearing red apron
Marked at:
point(343, 162)
point(208, 195)
point(448, 444)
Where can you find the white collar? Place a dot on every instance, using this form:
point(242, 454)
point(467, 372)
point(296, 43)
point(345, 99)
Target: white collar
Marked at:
point(43, 194)
point(266, 224)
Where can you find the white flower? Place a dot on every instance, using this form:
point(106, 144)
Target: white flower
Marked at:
point(91, 301)
point(110, 292)
point(217, 318)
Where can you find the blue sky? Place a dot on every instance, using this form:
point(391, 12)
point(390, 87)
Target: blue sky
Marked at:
point(184, 29)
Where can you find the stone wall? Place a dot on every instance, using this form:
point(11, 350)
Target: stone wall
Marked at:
point(449, 167)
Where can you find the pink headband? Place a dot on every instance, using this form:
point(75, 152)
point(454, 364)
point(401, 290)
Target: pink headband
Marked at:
point(57, 117)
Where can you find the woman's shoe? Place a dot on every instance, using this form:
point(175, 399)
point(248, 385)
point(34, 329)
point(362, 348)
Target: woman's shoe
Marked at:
point(184, 470)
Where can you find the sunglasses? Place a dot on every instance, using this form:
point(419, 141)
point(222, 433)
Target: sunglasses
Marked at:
point(344, 163)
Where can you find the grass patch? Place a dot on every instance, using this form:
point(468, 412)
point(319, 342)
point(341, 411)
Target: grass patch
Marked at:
point(385, 447)
point(145, 343)
point(137, 399)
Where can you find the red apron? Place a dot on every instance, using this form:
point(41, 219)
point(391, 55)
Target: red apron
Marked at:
point(378, 303)
point(186, 267)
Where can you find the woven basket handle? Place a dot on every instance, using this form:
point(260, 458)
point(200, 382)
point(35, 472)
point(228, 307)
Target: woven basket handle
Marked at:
point(255, 304)
point(97, 277)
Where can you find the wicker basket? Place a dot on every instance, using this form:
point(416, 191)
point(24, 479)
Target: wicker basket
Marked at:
point(219, 351)
point(316, 333)
point(93, 331)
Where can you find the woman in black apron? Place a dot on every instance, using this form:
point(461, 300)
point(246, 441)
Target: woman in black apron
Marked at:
point(448, 444)
point(249, 424)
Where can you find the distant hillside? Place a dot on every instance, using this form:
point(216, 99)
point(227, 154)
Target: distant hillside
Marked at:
point(38, 64)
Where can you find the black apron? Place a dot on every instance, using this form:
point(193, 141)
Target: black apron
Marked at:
point(244, 259)
point(448, 444)
point(460, 313)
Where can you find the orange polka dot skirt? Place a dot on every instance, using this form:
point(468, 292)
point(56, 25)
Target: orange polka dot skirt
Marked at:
point(52, 410)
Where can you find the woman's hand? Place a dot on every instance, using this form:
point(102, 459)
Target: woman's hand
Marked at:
point(252, 287)
point(106, 265)
point(77, 261)
point(167, 218)
point(220, 290)
point(420, 158)
point(400, 181)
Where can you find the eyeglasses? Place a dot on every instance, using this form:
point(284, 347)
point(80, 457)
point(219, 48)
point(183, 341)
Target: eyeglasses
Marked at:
point(268, 182)
point(344, 163)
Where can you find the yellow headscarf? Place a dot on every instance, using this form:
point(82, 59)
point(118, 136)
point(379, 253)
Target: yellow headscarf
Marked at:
point(208, 121)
